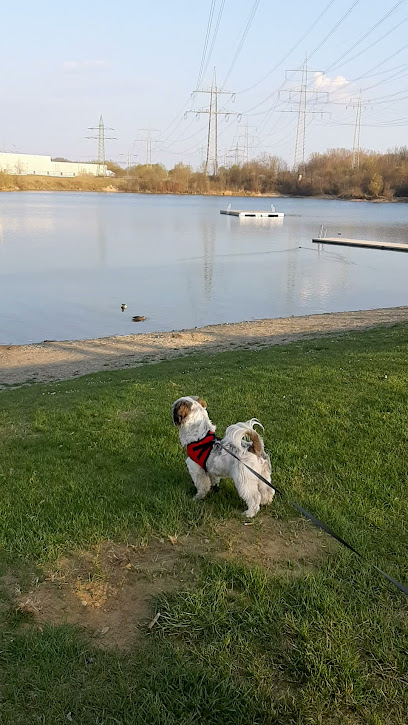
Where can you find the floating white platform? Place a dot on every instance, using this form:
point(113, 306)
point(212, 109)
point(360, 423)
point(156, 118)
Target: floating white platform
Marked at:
point(255, 214)
point(392, 246)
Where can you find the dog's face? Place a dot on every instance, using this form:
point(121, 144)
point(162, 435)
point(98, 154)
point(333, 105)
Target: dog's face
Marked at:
point(184, 407)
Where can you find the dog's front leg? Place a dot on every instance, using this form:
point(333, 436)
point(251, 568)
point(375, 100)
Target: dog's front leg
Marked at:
point(201, 480)
point(215, 482)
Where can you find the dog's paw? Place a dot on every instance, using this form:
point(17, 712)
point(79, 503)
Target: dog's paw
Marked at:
point(198, 497)
point(250, 513)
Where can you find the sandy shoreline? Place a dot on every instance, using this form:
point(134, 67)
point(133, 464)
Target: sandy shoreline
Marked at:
point(52, 361)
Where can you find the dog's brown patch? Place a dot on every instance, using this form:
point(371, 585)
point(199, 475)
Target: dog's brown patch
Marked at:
point(181, 410)
point(199, 400)
point(256, 447)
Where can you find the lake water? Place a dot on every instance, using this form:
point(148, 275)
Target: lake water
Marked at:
point(68, 261)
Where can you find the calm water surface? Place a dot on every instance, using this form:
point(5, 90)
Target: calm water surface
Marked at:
point(68, 261)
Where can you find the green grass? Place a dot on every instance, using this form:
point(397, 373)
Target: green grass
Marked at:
point(98, 458)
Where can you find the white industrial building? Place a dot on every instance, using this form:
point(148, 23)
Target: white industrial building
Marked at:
point(24, 164)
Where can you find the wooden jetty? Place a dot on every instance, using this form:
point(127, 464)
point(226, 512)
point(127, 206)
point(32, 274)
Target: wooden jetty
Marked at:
point(343, 241)
point(256, 214)
point(272, 214)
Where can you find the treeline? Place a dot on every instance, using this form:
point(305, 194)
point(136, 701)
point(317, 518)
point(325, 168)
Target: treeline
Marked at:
point(325, 174)
point(383, 176)
point(377, 175)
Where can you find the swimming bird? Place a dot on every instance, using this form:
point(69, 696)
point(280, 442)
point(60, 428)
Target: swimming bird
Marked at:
point(138, 318)
point(123, 307)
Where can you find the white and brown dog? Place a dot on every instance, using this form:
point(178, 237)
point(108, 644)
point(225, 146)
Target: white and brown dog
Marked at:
point(207, 462)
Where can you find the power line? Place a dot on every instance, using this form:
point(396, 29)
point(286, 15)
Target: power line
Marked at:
point(214, 22)
point(392, 77)
point(298, 42)
point(185, 138)
point(148, 140)
point(364, 50)
point(357, 103)
point(388, 70)
point(371, 30)
point(234, 153)
point(180, 112)
point(201, 130)
point(242, 40)
point(207, 37)
point(385, 99)
point(204, 60)
point(302, 93)
point(213, 113)
point(369, 73)
point(404, 98)
point(245, 137)
point(217, 25)
point(336, 26)
point(381, 63)
point(327, 36)
point(398, 122)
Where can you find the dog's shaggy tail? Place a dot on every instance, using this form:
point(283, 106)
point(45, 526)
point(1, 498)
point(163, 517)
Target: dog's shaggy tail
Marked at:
point(235, 434)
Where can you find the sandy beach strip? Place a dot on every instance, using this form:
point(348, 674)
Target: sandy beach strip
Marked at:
point(62, 360)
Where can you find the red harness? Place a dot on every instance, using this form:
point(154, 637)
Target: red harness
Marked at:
point(199, 451)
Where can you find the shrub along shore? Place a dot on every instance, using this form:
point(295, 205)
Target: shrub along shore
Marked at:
point(378, 177)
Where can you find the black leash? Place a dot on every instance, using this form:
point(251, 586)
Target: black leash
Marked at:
point(317, 522)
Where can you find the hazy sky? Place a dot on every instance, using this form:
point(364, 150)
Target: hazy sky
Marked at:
point(63, 64)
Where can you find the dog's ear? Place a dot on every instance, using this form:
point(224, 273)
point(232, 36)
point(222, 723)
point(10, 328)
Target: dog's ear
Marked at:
point(199, 400)
point(180, 411)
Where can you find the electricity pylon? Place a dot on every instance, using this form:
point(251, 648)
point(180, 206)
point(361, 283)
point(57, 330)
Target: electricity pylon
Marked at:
point(148, 140)
point(358, 104)
point(213, 113)
point(246, 143)
point(101, 137)
point(301, 95)
point(235, 153)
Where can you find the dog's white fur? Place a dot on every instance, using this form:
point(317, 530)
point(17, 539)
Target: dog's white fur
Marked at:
point(191, 417)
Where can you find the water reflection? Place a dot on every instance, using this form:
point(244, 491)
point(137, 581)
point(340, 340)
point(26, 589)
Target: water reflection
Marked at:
point(292, 257)
point(101, 237)
point(72, 259)
point(28, 224)
point(261, 221)
point(208, 241)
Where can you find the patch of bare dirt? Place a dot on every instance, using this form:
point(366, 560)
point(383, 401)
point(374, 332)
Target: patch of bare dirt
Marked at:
point(110, 591)
point(60, 360)
point(294, 547)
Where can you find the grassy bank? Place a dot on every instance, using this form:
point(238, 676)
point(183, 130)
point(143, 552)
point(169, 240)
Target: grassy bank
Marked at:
point(237, 642)
point(10, 182)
